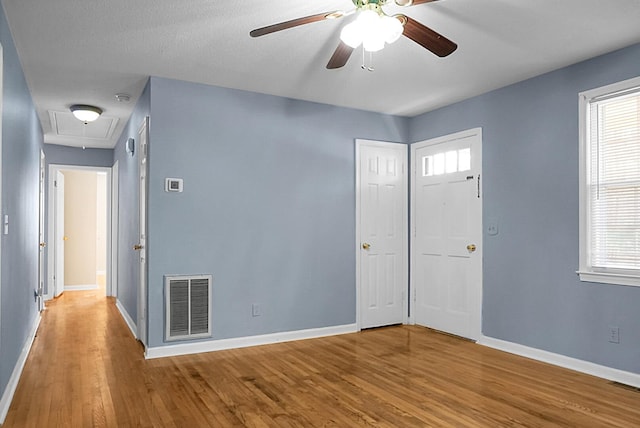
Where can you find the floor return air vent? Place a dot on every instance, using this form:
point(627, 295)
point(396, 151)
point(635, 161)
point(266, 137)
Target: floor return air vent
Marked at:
point(187, 306)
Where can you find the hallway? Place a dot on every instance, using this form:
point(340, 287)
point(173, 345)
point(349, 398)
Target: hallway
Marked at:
point(82, 351)
point(86, 370)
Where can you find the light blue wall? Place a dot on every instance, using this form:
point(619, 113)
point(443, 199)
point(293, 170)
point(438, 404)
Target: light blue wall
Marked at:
point(128, 217)
point(268, 206)
point(21, 144)
point(64, 155)
point(532, 295)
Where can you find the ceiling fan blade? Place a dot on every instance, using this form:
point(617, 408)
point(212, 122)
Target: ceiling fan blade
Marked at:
point(412, 2)
point(340, 56)
point(296, 22)
point(426, 37)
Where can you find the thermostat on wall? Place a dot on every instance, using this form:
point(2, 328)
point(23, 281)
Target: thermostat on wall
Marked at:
point(173, 184)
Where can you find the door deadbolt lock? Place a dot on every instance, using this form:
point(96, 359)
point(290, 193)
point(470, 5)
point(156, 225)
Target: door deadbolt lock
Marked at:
point(366, 246)
point(471, 248)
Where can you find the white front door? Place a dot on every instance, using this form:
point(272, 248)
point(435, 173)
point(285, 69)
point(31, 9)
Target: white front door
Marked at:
point(447, 233)
point(143, 141)
point(59, 237)
point(382, 243)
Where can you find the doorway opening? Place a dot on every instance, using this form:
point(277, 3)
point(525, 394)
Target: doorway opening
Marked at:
point(80, 256)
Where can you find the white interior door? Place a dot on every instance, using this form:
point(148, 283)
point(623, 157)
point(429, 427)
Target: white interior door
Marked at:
point(59, 237)
point(43, 244)
point(143, 142)
point(382, 233)
point(447, 230)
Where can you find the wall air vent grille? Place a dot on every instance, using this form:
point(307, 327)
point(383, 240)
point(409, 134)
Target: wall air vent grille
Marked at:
point(187, 307)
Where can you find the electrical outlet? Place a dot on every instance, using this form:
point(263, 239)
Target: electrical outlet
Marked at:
point(256, 310)
point(614, 334)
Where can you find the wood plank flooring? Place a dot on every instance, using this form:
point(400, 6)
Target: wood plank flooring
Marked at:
point(86, 370)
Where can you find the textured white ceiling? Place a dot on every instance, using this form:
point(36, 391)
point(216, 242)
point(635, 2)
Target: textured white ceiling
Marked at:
point(86, 51)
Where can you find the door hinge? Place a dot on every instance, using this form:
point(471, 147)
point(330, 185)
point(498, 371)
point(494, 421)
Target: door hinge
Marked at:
point(478, 185)
point(55, 183)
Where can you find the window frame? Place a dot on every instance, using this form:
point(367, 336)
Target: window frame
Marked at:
point(585, 271)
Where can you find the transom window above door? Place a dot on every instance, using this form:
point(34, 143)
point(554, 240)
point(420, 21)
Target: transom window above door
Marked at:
point(447, 162)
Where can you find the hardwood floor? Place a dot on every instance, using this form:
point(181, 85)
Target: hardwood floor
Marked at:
point(86, 370)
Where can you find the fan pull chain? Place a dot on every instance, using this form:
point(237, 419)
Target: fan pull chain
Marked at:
point(364, 66)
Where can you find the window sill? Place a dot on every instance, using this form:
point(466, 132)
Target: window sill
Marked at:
point(610, 278)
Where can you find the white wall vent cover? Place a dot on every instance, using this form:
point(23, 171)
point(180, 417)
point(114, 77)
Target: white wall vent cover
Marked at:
point(187, 306)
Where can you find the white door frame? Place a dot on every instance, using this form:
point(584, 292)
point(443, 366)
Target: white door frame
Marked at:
point(358, 241)
point(1, 207)
point(143, 168)
point(412, 287)
point(41, 230)
point(53, 170)
point(115, 189)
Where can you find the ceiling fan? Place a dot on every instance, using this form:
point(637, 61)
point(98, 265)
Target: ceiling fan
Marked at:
point(371, 29)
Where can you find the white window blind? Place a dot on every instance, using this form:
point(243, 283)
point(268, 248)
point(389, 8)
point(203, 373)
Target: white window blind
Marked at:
point(613, 181)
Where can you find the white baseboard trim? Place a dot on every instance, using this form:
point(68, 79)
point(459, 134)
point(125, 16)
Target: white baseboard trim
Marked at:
point(80, 287)
point(616, 375)
point(244, 342)
point(127, 318)
point(7, 396)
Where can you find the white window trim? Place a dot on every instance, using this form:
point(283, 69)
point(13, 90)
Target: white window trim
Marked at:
point(585, 271)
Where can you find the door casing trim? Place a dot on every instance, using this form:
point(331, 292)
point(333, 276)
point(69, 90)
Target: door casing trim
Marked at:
point(52, 170)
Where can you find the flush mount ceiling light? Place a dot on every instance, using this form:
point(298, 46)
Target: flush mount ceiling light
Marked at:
point(85, 113)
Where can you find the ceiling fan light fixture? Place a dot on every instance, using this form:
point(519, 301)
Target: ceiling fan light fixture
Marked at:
point(371, 29)
point(85, 113)
point(393, 29)
point(373, 43)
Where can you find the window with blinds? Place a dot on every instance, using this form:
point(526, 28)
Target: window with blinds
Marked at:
point(610, 214)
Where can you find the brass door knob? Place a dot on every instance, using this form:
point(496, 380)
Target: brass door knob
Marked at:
point(137, 247)
point(65, 238)
point(471, 248)
point(43, 244)
point(366, 246)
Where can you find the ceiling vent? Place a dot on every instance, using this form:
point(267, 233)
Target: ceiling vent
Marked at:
point(64, 124)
